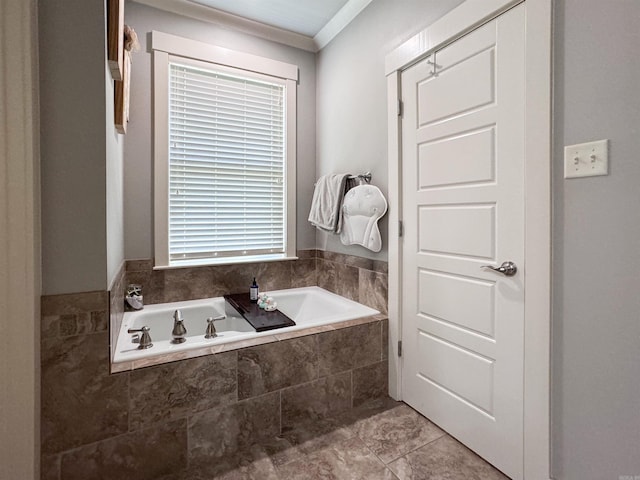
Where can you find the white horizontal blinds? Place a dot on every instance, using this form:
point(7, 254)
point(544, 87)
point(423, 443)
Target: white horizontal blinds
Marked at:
point(227, 165)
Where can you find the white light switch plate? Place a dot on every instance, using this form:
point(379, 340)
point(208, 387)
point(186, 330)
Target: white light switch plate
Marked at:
point(586, 159)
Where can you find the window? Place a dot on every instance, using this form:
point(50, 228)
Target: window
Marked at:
point(226, 164)
point(224, 155)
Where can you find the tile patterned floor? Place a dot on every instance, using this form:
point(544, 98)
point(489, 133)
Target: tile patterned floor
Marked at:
point(386, 440)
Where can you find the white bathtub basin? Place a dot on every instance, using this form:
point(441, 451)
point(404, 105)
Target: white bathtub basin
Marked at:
point(308, 307)
point(194, 312)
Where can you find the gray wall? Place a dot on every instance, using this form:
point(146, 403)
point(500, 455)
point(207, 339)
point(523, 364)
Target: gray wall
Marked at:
point(352, 96)
point(596, 326)
point(138, 175)
point(75, 99)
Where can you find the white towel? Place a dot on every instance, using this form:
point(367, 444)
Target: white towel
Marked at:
point(363, 206)
point(327, 199)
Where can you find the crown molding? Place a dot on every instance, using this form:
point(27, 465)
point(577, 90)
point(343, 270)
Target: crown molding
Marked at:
point(339, 22)
point(234, 22)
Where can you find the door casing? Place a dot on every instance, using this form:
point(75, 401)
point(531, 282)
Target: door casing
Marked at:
point(466, 17)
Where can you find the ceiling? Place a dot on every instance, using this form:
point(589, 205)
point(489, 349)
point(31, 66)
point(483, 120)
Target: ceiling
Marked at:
point(306, 17)
point(306, 24)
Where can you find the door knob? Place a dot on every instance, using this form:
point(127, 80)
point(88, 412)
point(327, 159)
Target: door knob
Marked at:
point(509, 269)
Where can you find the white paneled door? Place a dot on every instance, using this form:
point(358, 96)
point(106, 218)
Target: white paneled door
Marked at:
point(463, 208)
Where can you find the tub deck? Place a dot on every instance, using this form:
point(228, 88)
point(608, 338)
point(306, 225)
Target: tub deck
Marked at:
point(314, 310)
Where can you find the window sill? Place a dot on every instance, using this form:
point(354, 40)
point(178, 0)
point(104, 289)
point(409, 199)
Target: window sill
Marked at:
point(208, 262)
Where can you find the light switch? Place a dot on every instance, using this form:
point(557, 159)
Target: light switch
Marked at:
point(586, 159)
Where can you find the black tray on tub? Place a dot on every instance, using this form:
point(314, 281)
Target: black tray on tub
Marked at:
point(259, 319)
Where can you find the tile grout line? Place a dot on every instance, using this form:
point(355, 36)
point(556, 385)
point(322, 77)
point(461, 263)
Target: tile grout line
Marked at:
point(419, 447)
point(317, 344)
point(374, 454)
point(381, 341)
point(280, 405)
point(188, 456)
point(129, 400)
point(351, 378)
point(392, 472)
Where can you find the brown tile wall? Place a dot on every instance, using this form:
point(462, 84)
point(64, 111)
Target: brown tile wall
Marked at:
point(190, 283)
point(360, 279)
point(152, 421)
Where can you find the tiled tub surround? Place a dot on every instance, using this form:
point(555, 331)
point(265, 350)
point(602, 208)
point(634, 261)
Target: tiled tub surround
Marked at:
point(157, 420)
point(356, 278)
point(313, 309)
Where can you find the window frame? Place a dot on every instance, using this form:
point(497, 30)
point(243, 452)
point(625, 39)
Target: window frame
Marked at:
point(166, 47)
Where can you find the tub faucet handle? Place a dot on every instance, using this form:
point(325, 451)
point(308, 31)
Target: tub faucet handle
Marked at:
point(211, 329)
point(179, 330)
point(145, 339)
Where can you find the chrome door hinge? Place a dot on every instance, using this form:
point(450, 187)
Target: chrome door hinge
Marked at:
point(399, 348)
point(400, 228)
point(400, 108)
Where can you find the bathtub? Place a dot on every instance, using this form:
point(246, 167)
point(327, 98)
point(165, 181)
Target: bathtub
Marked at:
point(308, 307)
